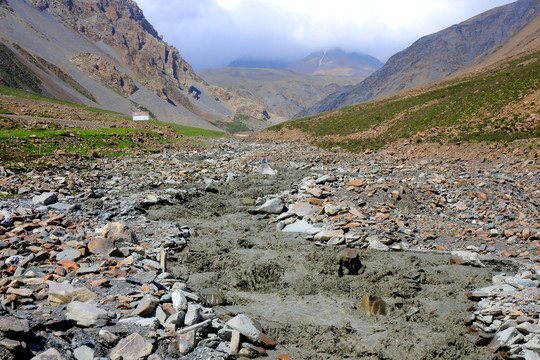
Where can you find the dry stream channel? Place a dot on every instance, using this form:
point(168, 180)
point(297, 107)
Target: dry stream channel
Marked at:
point(293, 288)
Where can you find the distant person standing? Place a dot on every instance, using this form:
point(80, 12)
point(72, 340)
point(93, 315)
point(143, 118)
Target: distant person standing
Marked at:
point(265, 169)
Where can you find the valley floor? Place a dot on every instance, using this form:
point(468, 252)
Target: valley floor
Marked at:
point(199, 235)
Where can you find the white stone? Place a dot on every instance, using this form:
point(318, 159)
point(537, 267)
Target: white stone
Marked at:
point(332, 209)
point(265, 169)
point(193, 314)
point(83, 353)
point(247, 327)
point(377, 245)
point(466, 258)
point(303, 209)
point(300, 226)
point(326, 235)
point(528, 328)
point(531, 355)
point(504, 337)
point(86, 314)
point(152, 323)
point(336, 240)
point(272, 206)
point(179, 300)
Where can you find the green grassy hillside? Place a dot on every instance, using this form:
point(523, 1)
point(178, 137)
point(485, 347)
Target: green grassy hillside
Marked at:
point(499, 105)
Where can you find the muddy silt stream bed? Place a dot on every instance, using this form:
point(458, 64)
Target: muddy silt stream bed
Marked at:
point(293, 288)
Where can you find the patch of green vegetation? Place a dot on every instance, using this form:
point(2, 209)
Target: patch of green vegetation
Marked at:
point(104, 111)
point(22, 144)
point(10, 91)
point(237, 124)
point(473, 109)
point(187, 130)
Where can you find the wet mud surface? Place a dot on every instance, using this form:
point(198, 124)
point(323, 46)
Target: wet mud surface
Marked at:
point(293, 287)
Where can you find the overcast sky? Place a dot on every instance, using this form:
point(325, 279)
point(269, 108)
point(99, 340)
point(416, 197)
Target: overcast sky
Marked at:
point(212, 33)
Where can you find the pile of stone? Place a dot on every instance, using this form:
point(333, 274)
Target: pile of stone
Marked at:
point(83, 291)
point(506, 318)
point(407, 210)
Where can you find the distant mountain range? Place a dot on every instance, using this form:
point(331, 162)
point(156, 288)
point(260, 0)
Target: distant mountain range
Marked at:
point(259, 64)
point(287, 88)
point(337, 63)
point(473, 43)
point(105, 54)
point(334, 62)
point(284, 92)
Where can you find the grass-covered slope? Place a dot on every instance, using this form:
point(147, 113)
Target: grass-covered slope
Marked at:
point(501, 104)
point(34, 128)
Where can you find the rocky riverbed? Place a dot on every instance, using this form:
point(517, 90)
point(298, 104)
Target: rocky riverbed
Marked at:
point(194, 254)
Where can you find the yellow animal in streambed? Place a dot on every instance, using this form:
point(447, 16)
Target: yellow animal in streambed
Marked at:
point(373, 305)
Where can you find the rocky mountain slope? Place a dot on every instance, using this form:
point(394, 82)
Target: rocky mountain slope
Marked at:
point(499, 104)
point(337, 63)
point(111, 51)
point(287, 89)
point(441, 54)
point(284, 92)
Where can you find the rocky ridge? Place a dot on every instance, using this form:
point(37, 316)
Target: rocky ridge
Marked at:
point(438, 55)
point(105, 72)
point(122, 25)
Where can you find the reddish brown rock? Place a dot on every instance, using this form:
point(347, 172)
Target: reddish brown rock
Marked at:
point(357, 182)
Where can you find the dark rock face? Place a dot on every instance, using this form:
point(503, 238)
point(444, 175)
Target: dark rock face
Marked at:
point(158, 66)
point(105, 72)
point(437, 55)
point(122, 25)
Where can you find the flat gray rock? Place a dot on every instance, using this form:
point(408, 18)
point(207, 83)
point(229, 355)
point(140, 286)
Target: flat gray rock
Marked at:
point(68, 254)
point(325, 235)
point(377, 245)
point(300, 226)
point(133, 347)
point(246, 326)
point(86, 314)
point(46, 198)
point(272, 206)
point(83, 353)
point(14, 325)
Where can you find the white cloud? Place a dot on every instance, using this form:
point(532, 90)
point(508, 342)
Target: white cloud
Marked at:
point(215, 32)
